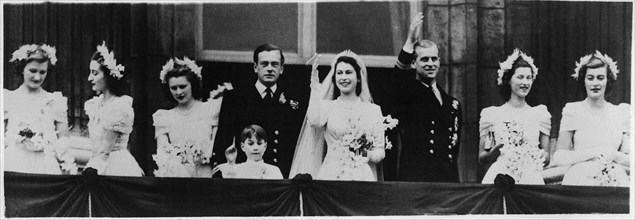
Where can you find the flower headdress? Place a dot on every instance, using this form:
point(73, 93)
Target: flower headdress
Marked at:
point(190, 64)
point(507, 65)
point(25, 51)
point(605, 58)
point(110, 62)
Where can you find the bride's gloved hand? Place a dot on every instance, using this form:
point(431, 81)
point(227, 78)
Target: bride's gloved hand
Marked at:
point(374, 156)
point(315, 75)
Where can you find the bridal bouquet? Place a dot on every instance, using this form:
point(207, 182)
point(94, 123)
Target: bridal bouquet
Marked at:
point(521, 155)
point(186, 152)
point(607, 175)
point(360, 140)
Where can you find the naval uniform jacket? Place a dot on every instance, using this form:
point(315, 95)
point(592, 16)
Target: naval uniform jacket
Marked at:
point(430, 131)
point(281, 118)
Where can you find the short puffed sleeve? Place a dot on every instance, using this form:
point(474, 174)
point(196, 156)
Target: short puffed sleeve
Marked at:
point(58, 107)
point(212, 109)
point(161, 121)
point(570, 117)
point(487, 120)
point(90, 106)
point(120, 116)
point(542, 115)
point(624, 110)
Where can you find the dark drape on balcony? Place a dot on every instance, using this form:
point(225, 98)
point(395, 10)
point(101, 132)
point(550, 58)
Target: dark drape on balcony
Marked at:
point(33, 195)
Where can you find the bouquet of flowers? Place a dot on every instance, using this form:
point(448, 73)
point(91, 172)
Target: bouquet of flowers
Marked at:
point(68, 165)
point(359, 140)
point(607, 175)
point(521, 155)
point(186, 152)
point(33, 139)
point(164, 159)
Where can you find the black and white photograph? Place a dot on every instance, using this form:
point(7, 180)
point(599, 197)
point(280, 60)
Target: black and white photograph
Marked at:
point(288, 109)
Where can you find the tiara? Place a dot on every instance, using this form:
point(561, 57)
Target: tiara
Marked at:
point(25, 51)
point(507, 65)
point(190, 64)
point(110, 62)
point(348, 53)
point(605, 58)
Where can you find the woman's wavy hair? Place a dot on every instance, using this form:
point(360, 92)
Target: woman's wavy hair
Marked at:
point(178, 71)
point(595, 63)
point(116, 86)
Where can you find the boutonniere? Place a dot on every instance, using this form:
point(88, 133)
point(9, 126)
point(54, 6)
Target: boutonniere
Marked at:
point(282, 99)
point(455, 104)
point(294, 104)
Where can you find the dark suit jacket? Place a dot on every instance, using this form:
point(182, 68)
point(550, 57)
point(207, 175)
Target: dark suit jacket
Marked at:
point(280, 119)
point(430, 132)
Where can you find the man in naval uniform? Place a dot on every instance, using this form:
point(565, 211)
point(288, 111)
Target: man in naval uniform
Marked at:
point(429, 118)
point(266, 104)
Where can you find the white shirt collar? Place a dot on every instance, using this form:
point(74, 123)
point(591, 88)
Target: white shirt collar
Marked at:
point(261, 88)
point(434, 84)
point(435, 90)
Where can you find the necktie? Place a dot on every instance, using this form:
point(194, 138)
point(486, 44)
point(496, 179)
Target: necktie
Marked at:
point(268, 95)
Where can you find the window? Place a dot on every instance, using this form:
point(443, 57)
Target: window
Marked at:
point(374, 30)
point(245, 25)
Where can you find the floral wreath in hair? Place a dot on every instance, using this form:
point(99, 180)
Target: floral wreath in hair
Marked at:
point(507, 65)
point(605, 58)
point(190, 64)
point(110, 62)
point(25, 51)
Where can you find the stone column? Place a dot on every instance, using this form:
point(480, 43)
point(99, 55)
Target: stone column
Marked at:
point(453, 26)
point(491, 48)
